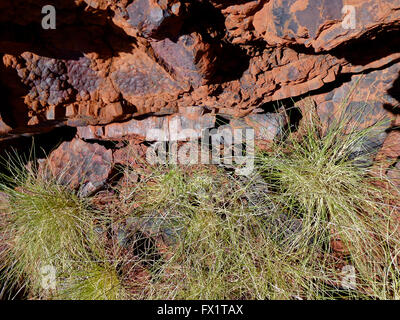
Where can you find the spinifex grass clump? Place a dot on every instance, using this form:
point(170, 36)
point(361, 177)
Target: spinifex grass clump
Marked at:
point(312, 223)
point(222, 249)
point(324, 179)
point(47, 226)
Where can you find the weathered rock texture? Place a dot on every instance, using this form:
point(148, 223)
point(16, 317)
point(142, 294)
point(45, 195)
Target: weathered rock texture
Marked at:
point(79, 163)
point(118, 68)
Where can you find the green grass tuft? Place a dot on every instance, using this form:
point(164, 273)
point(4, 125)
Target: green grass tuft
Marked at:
point(325, 180)
point(313, 209)
point(47, 225)
point(93, 282)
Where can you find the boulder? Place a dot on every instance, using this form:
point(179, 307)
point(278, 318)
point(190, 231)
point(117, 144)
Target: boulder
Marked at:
point(81, 165)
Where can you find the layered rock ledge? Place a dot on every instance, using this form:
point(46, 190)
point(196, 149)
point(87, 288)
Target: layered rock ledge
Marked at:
point(115, 69)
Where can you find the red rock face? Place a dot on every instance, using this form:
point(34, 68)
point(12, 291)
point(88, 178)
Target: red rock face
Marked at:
point(319, 24)
point(118, 69)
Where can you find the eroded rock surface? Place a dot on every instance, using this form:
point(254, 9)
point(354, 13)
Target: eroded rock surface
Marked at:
point(78, 163)
point(121, 70)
